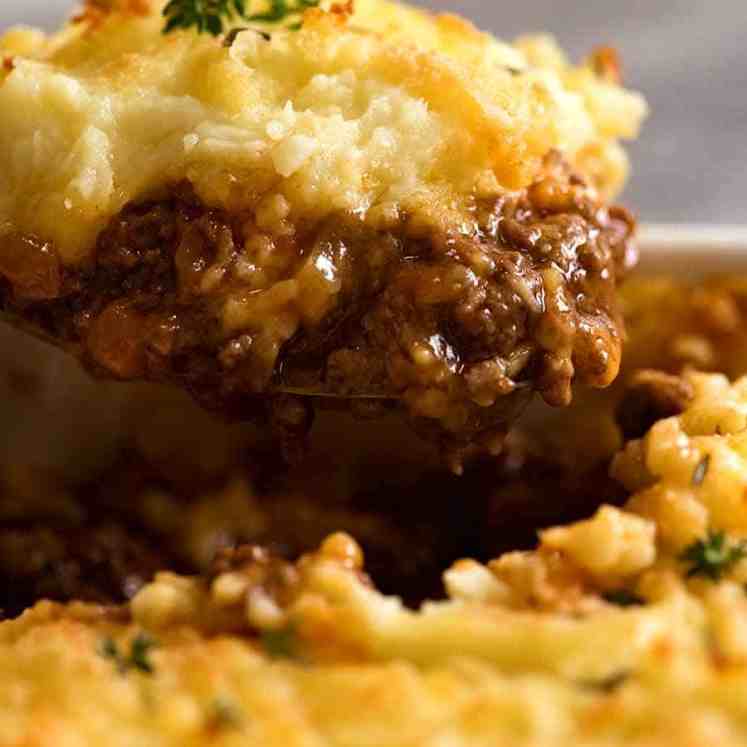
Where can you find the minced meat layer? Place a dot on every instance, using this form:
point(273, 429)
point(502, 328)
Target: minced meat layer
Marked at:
point(140, 518)
point(105, 562)
point(456, 329)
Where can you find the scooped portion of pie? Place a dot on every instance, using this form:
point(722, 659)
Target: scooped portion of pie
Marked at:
point(381, 207)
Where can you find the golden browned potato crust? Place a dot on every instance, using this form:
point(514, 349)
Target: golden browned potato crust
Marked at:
point(607, 634)
point(388, 110)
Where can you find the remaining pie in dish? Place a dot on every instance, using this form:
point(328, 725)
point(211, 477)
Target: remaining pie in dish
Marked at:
point(383, 205)
point(627, 628)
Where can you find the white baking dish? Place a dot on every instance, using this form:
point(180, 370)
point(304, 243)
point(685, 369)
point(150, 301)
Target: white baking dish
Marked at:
point(692, 249)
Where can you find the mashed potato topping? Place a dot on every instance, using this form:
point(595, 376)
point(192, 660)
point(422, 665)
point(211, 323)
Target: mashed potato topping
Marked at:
point(629, 627)
point(385, 111)
point(690, 471)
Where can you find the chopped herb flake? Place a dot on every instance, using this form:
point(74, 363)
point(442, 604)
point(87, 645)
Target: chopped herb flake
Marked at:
point(713, 556)
point(279, 644)
point(109, 650)
point(623, 598)
point(608, 684)
point(225, 714)
point(701, 471)
point(140, 647)
point(212, 16)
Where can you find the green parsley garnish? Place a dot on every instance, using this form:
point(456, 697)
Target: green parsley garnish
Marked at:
point(607, 685)
point(225, 715)
point(109, 650)
point(279, 644)
point(212, 16)
point(140, 648)
point(623, 598)
point(700, 472)
point(713, 556)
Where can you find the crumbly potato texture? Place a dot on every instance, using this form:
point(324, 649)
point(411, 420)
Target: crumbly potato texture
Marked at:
point(625, 628)
point(375, 108)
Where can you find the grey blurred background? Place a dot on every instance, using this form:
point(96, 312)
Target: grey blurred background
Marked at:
point(689, 57)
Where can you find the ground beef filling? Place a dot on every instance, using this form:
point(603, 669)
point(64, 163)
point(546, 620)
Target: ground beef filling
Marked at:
point(458, 330)
point(109, 537)
point(103, 562)
point(651, 396)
